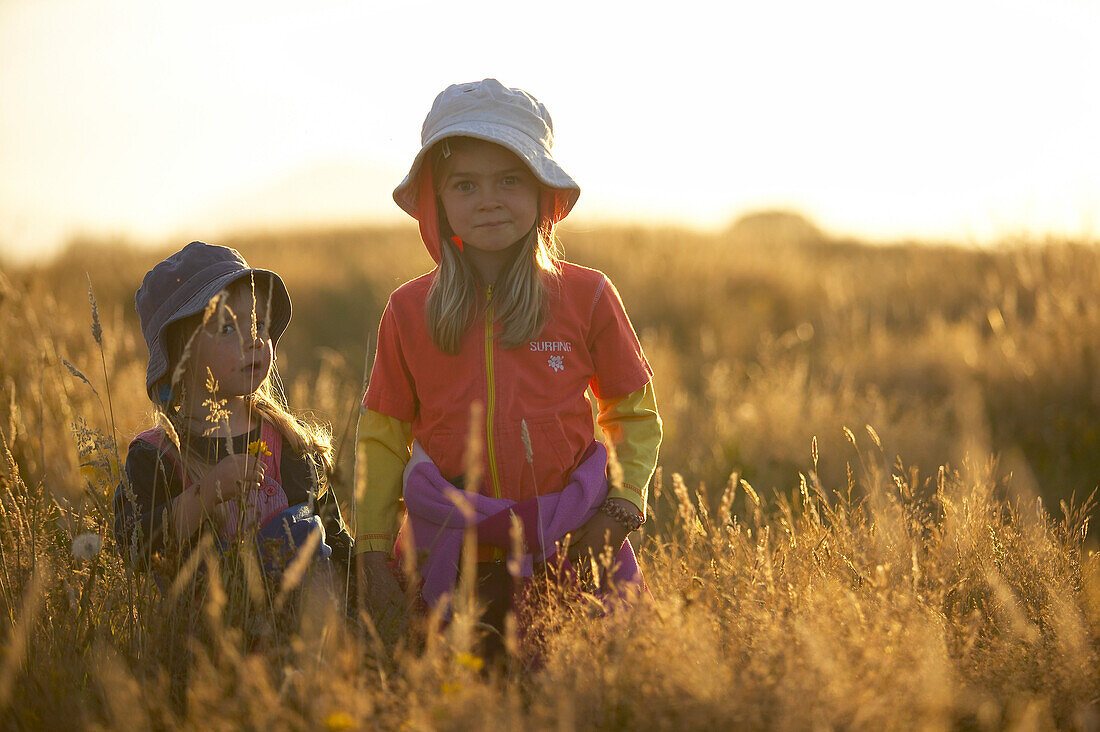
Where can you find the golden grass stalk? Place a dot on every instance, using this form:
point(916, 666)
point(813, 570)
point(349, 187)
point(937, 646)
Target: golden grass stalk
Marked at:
point(297, 567)
point(23, 629)
point(465, 601)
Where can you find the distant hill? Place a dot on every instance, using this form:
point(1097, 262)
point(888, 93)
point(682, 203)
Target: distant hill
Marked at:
point(775, 227)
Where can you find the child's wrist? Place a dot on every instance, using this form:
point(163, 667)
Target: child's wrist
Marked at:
point(625, 513)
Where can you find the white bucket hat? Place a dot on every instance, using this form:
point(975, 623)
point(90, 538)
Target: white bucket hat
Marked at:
point(512, 118)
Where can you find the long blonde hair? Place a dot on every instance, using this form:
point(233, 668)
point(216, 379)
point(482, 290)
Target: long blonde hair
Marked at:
point(520, 296)
point(303, 437)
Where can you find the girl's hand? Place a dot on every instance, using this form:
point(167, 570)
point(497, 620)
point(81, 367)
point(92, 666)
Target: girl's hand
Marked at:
point(594, 537)
point(385, 601)
point(233, 477)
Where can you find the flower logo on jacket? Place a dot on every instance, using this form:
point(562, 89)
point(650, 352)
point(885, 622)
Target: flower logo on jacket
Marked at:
point(556, 363)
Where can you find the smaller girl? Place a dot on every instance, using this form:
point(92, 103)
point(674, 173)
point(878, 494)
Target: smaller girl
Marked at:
point(226, 455)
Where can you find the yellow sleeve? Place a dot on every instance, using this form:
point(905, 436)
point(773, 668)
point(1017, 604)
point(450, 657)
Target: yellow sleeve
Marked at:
point(383, 447)
point(633, 426)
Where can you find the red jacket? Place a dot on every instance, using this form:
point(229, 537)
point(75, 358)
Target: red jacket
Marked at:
point(587, 341)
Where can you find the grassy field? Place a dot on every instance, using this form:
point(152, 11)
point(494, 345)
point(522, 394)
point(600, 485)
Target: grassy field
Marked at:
point(872, 509)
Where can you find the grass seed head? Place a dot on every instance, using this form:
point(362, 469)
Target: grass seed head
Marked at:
point(97, 329)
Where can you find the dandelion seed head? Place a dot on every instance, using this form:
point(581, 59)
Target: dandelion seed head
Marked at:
point(86, 546)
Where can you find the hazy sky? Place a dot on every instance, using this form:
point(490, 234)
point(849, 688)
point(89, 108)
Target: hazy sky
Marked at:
point(164, 120)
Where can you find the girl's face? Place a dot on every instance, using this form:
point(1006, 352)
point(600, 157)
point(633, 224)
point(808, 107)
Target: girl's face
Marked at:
point(490, 196)
point(238, 360)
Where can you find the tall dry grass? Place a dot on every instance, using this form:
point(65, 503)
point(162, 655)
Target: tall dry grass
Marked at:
point(826, 583)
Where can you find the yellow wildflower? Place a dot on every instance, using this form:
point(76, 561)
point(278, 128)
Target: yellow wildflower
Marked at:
point(338, 721)
point(258, 447)
point(470, 661)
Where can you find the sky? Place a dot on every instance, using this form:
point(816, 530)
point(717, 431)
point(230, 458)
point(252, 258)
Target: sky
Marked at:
point(167, 121)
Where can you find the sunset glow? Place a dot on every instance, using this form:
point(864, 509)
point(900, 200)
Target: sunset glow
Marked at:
point(948, 120)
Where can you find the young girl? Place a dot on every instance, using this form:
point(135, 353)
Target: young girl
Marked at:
point(504, 322)
point(225, 455)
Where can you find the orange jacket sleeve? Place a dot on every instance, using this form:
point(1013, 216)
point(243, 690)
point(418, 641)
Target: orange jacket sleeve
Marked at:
point(392, 390)
point(621, 367)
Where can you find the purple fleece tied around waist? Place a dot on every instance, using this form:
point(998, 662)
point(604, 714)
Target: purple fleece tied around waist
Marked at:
point(438, 525)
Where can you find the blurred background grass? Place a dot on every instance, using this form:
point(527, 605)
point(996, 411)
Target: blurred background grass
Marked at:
point(761, 336)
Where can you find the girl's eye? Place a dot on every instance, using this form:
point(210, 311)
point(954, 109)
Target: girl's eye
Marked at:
point(464, 186)
point(228, 329)
point(510, 180)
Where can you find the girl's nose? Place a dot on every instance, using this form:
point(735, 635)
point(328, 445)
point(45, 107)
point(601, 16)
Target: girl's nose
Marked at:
point(488, 201)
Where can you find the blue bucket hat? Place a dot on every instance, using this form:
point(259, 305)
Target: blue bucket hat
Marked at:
point(184, 284)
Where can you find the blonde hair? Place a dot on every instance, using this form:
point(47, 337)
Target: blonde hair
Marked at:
point(268, 402)
point(520, 296)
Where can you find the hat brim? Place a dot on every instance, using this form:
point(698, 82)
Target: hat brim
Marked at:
point(534, 155)
point(280, 307)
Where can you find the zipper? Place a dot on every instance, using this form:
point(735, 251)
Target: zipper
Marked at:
point(490, 406)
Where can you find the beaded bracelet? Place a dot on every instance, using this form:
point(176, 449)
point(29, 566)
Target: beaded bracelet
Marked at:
point(630, 520)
